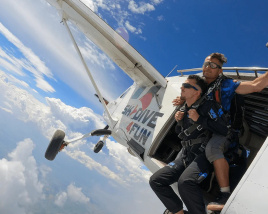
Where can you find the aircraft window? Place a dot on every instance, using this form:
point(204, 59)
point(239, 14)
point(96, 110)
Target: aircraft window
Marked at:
point(138, 93)
point(154, 89)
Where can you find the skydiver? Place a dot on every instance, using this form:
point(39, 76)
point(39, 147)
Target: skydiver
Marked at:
point(191, 163)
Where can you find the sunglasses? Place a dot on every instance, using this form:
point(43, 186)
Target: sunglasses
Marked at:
point(211, 64)
point(187, 85)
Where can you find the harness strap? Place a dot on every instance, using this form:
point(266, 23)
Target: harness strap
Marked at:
point(216, 85)
point(186, 143)
point(182, 108)
point(190, 130)
point(205, 141)
point(217, 96)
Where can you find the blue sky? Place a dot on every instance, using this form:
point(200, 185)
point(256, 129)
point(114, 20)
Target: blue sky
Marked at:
point(43, 87)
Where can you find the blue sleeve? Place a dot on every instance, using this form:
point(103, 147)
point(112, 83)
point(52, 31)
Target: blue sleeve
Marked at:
point(228, 88)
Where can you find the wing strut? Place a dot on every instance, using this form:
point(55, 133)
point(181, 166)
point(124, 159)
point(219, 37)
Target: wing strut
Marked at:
point(112, 121)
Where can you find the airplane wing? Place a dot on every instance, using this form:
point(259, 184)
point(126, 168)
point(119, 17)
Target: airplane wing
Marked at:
point(119, 50)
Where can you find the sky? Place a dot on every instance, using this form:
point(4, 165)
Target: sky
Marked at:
point(44, 87)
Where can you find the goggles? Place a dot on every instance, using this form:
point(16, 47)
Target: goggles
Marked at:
point(187, 85)
point(211, 64)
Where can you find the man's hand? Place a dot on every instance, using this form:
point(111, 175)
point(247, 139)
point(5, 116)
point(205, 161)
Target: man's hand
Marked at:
point(193, 115)
point(178, 101)
point(179, 115)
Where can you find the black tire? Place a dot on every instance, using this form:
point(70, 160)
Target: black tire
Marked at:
point(54, 145)
point(98, 146)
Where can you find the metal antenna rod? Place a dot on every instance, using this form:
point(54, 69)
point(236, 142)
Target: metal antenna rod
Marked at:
point(172, 70)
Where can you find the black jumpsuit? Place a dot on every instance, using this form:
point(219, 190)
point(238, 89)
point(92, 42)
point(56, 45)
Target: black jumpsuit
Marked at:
point(211, 119)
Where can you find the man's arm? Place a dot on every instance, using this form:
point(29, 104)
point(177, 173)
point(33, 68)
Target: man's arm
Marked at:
point(179, 115)
point(256, 85)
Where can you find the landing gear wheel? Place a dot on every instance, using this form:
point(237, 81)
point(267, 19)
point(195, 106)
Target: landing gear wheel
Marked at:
point(98, 146)
point(55, 145)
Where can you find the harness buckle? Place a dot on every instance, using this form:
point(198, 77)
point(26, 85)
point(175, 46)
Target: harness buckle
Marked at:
point(199, 128)
point(181, 135)
point(189, 142)
point(184, 163)
point(203, 146)
point(186, 132)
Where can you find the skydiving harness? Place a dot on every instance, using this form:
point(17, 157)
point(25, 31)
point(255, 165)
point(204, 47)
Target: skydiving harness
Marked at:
point(225, 116)
point(187, 145)
point(204, 137)
point(235, 122)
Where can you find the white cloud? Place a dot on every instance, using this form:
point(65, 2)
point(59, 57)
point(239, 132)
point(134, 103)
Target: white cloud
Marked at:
point(160, 18)
point(32, 62)
point(60, 199)
point(74, 194)
point(5, 109)
point(44, 85)
point(130, 27)
point(24, 187)
point(25, 107)
point(20, 185)
point(91, 4)
point(92, 54)
point(91, 164)
point(139, 31)
point(127, 164)
point(9, 78)
point(118, 169)
point(142, 8)
point(156, 2)
point(82, 118)
point(10, 63)
point(34, 59)
point(57, 115)
point(94, 5)
point(49, 38)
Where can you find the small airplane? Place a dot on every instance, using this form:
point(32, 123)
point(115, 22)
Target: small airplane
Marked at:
point(142, 118)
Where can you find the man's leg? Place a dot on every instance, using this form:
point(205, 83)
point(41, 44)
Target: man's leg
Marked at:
point(215, 149)
point(221, 167)
point(189, 189)
point(160, 183)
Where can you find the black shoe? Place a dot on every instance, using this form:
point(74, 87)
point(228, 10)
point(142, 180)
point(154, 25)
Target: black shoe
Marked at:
point(166, 212)
point(220, 202)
